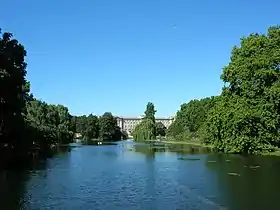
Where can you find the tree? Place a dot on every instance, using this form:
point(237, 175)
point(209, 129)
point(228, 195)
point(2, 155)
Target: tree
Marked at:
point(81, 123)
point(91, 130)
point(147, 128)
point(52, 121)
point(13, 92)
point(73, 124)
point(25, 123)
point(109, 130)
point(191, 117)
point(160, 129)
point(144, 130)
point(247, 116)
point(150, 111)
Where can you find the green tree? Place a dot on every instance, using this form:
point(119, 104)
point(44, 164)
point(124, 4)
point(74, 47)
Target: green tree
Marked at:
point(13, 93)
point(109, 130)
point(144, 130)
point(160, 129)
point(81, 123)
point(50, 120)
point(25, 123)
point(150, 111)
point(247, 116)
point(191, 117)
point(91, 129)
point(147, 128)
point(73, 124)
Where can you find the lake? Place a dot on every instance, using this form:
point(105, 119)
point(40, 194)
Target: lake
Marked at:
point(134, 176)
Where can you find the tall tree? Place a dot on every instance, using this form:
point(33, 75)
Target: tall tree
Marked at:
point(144, 131)
point(13, 91)
point(150, 111)
point(109, 129)
point(247, 117)
point(191, 117)
point(91, 130)
point(147, 128)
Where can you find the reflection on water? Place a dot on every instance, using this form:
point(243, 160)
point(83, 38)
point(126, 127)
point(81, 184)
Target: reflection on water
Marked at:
point(180, 149)
point(142, 176)
point(12, 189)
point(255, 184)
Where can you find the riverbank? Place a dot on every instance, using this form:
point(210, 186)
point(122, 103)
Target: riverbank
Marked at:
point(195, 143)
point(199, 144)
point(275, 153)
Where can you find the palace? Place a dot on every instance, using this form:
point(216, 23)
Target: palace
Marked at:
point(128, 123)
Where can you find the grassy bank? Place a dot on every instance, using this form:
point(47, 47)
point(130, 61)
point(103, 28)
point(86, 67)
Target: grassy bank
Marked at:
point(198, 143)
point(189, 142)
point(275, 153)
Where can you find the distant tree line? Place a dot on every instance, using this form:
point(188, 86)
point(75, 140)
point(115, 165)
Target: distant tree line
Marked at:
point(104, 128)
point(245, 118)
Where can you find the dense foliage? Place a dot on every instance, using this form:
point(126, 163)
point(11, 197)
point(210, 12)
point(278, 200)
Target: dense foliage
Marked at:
point(28, 124)
point(109, 130)
point(14, 91)
point(160, 129)
point(146, 129)
point(245, 118)
point(87, 126)
point(51, 121)
point(103, 128)
point(150, 112)
point(190, 119)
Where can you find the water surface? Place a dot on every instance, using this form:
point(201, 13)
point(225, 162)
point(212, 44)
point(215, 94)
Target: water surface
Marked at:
point(143, 176)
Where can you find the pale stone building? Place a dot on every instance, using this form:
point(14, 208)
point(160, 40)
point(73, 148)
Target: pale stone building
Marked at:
point(128, 123)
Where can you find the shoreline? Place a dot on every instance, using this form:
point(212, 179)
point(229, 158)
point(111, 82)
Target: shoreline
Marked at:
point(199, 144)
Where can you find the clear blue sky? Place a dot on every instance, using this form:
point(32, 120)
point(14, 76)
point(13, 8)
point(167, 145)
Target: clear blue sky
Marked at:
point(116, 55)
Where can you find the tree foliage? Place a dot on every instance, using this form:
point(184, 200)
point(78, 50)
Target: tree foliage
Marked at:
point(150, 111)
point(146, 129)
point(91, 130)
point(160, 129)
point(53, 121)
point(28, 124)
point(14, 91)
point(247, 117)
point(109, 130)
point(103, 128)
point(191, 117)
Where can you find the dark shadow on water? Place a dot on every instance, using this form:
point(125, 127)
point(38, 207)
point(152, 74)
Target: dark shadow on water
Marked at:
point(13, 179)
point(12, 188)
point(246, 182)
point(13, 184)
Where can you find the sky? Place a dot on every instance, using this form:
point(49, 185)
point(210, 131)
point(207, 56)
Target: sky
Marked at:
point(95, 56)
